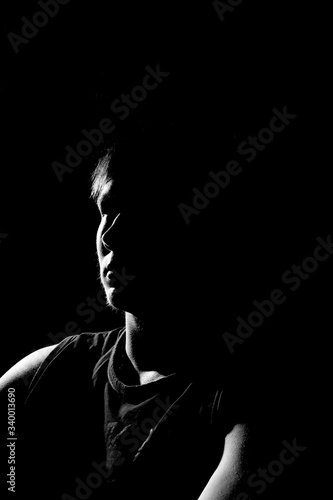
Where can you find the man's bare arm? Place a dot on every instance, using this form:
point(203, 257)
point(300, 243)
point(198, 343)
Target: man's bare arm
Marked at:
point(21, 374)
point(229, 479)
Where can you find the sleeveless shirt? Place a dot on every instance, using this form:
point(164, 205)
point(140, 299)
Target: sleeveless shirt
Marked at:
point(86, 432)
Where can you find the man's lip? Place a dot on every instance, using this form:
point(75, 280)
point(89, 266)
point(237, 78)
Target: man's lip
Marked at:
point(116, 266)
point(111, 268)
point(109, 275)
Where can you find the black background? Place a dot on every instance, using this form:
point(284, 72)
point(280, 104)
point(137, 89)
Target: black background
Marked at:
point(262, 56)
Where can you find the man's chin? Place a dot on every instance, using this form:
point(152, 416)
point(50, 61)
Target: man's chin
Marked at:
point(128, 300)
point(119, 299)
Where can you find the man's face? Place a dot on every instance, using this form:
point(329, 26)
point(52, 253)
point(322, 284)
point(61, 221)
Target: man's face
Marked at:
point(136, 246)
point(114, 266)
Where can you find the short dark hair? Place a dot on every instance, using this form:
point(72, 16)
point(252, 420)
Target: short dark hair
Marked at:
point(101, 175)
point(146, 151)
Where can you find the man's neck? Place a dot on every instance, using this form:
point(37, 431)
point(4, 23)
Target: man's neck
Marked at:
point(150, 347)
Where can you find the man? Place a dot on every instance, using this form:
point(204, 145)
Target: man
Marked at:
point(148, 409)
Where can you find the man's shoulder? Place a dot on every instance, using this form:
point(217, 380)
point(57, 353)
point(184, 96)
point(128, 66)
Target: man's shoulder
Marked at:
point(25, 368)
point(85, 346)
